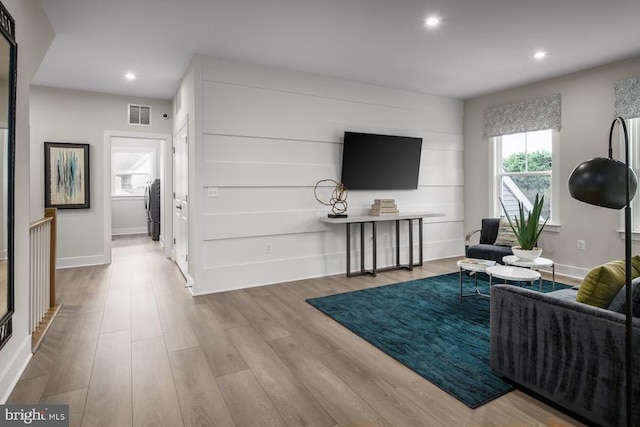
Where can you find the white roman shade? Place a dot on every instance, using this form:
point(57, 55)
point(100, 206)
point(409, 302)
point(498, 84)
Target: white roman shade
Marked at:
point(526, 116)
point(627, 104)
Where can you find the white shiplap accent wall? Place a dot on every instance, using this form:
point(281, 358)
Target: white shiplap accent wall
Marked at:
point(268, 135)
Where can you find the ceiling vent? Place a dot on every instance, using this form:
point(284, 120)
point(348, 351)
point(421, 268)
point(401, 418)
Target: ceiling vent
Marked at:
point(139, 115)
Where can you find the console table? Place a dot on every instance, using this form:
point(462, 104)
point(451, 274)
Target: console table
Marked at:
point(373, 220)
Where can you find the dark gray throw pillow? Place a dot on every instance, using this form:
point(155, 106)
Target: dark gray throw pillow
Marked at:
point(618, 303)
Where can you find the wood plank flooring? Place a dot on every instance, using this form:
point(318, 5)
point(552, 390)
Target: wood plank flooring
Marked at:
point(131, 347)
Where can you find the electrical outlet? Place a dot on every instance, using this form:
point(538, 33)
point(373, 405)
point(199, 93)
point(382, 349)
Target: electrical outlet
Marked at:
point(212, 192)
point(267, 250)
point(582, 246)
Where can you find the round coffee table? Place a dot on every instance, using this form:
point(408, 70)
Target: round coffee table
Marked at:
point(508, 272)
point(533, 265)
point(475, 266)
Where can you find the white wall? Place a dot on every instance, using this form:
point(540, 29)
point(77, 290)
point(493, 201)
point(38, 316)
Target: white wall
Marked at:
point(34, 36)
point(62, 115)
point(587, 113)
point(129, 216)
point(268, 135)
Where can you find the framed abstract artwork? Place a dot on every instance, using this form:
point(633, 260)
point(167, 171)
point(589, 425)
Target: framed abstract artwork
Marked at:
point(66, 175)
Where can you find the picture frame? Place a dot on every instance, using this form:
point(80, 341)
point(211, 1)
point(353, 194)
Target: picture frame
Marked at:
point(66, 175)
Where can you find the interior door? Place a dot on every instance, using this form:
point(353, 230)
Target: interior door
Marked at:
point(180, 200)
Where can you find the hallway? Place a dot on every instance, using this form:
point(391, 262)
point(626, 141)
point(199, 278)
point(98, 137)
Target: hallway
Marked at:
point(130, 346)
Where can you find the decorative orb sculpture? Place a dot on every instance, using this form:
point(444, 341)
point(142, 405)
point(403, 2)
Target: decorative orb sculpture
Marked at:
point(338, 200)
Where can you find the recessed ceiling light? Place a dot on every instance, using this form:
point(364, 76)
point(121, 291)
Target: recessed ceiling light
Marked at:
point(541, 54)
point(130, 76)
point(432, 21)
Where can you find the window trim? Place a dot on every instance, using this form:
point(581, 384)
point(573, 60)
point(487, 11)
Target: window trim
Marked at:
point(132, 147)
point(633, 127)
point(495, 157)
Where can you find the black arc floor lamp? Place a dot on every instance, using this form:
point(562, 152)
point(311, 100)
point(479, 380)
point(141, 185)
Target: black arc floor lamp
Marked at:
point(612, 184)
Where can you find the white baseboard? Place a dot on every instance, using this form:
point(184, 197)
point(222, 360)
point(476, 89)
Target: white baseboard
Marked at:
point(12, 372)
point(128, 230)
point(190, 285)
point(571, 271)
point(82, 261)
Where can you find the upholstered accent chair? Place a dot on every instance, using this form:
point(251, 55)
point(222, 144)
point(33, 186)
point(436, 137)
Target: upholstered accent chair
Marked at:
point(486, 247)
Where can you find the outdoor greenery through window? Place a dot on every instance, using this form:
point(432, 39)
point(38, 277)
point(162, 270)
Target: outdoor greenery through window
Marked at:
point(523, 169)
point(131, 168)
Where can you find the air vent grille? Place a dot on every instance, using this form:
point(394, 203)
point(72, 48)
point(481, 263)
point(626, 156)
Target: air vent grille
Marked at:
point(139, 115)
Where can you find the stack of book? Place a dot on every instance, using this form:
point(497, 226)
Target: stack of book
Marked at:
point(384, 207)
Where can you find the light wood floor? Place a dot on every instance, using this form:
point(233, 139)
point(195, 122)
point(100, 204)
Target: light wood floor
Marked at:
point(132, 347)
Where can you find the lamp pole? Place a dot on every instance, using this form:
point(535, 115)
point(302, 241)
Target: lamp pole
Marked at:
point(602, 182)
point(628, 290)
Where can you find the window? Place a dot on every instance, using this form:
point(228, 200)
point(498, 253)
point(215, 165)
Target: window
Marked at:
point(131, 168)
point(633, 127)
point(523, 165)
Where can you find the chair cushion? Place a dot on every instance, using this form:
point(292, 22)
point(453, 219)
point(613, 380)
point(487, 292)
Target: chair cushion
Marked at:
point(619, 301)
point(490, 252)
point(506, 236)
point(602, 283)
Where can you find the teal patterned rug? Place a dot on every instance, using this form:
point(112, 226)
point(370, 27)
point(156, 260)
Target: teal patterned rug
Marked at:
point(423, 325)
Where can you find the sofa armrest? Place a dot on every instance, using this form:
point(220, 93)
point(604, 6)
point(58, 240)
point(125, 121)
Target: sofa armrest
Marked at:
point(566, 351)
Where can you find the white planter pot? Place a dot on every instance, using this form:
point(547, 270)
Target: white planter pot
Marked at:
point(529, 255)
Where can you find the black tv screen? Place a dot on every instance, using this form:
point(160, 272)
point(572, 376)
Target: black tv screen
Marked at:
point(380, 162)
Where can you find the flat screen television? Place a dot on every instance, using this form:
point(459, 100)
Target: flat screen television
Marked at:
point(380, 162)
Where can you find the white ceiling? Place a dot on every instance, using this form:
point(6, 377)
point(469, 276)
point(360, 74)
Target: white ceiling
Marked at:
point(481, 46)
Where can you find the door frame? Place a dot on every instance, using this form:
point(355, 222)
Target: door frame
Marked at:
point(183, 126)
point(166, 183)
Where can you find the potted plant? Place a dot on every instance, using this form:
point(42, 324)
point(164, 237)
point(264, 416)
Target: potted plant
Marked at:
point(527, 229)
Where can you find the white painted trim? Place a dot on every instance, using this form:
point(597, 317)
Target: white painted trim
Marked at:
point(85, 261)
point(191, 284)
point(128, 230)
point(571, 271)
point(165, 177)
point(12, 372)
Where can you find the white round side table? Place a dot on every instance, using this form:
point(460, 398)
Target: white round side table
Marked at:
point(475, 266)
point(508, 272)
point(533, 265)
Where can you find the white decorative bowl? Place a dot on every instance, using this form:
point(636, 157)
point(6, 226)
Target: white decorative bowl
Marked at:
point(528, 255)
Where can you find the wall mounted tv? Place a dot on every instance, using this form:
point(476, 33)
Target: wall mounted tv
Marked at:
point(380, 162)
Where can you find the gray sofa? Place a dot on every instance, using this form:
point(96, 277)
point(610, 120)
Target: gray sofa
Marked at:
point(570, 353)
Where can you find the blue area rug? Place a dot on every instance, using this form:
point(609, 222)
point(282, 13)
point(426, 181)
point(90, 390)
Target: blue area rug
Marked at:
point(423, 325)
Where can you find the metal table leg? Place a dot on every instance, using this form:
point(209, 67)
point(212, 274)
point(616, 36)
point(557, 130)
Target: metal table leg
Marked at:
point(410, 245)
point(374, 249)
point(361, 248)
point(348, 249)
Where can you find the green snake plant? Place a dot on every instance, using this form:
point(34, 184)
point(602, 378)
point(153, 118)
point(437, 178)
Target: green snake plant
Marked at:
point(527, 228)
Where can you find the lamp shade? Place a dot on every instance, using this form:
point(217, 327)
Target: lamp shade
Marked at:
point(601, 181)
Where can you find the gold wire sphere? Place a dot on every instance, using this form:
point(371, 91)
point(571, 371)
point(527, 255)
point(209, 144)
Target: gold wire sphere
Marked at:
point(338, 201)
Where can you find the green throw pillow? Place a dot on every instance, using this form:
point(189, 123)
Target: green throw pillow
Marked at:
point(506, 236)
point(602, 283)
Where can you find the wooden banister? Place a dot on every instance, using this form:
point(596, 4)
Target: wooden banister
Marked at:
point(43, 307)
point(53, 214)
